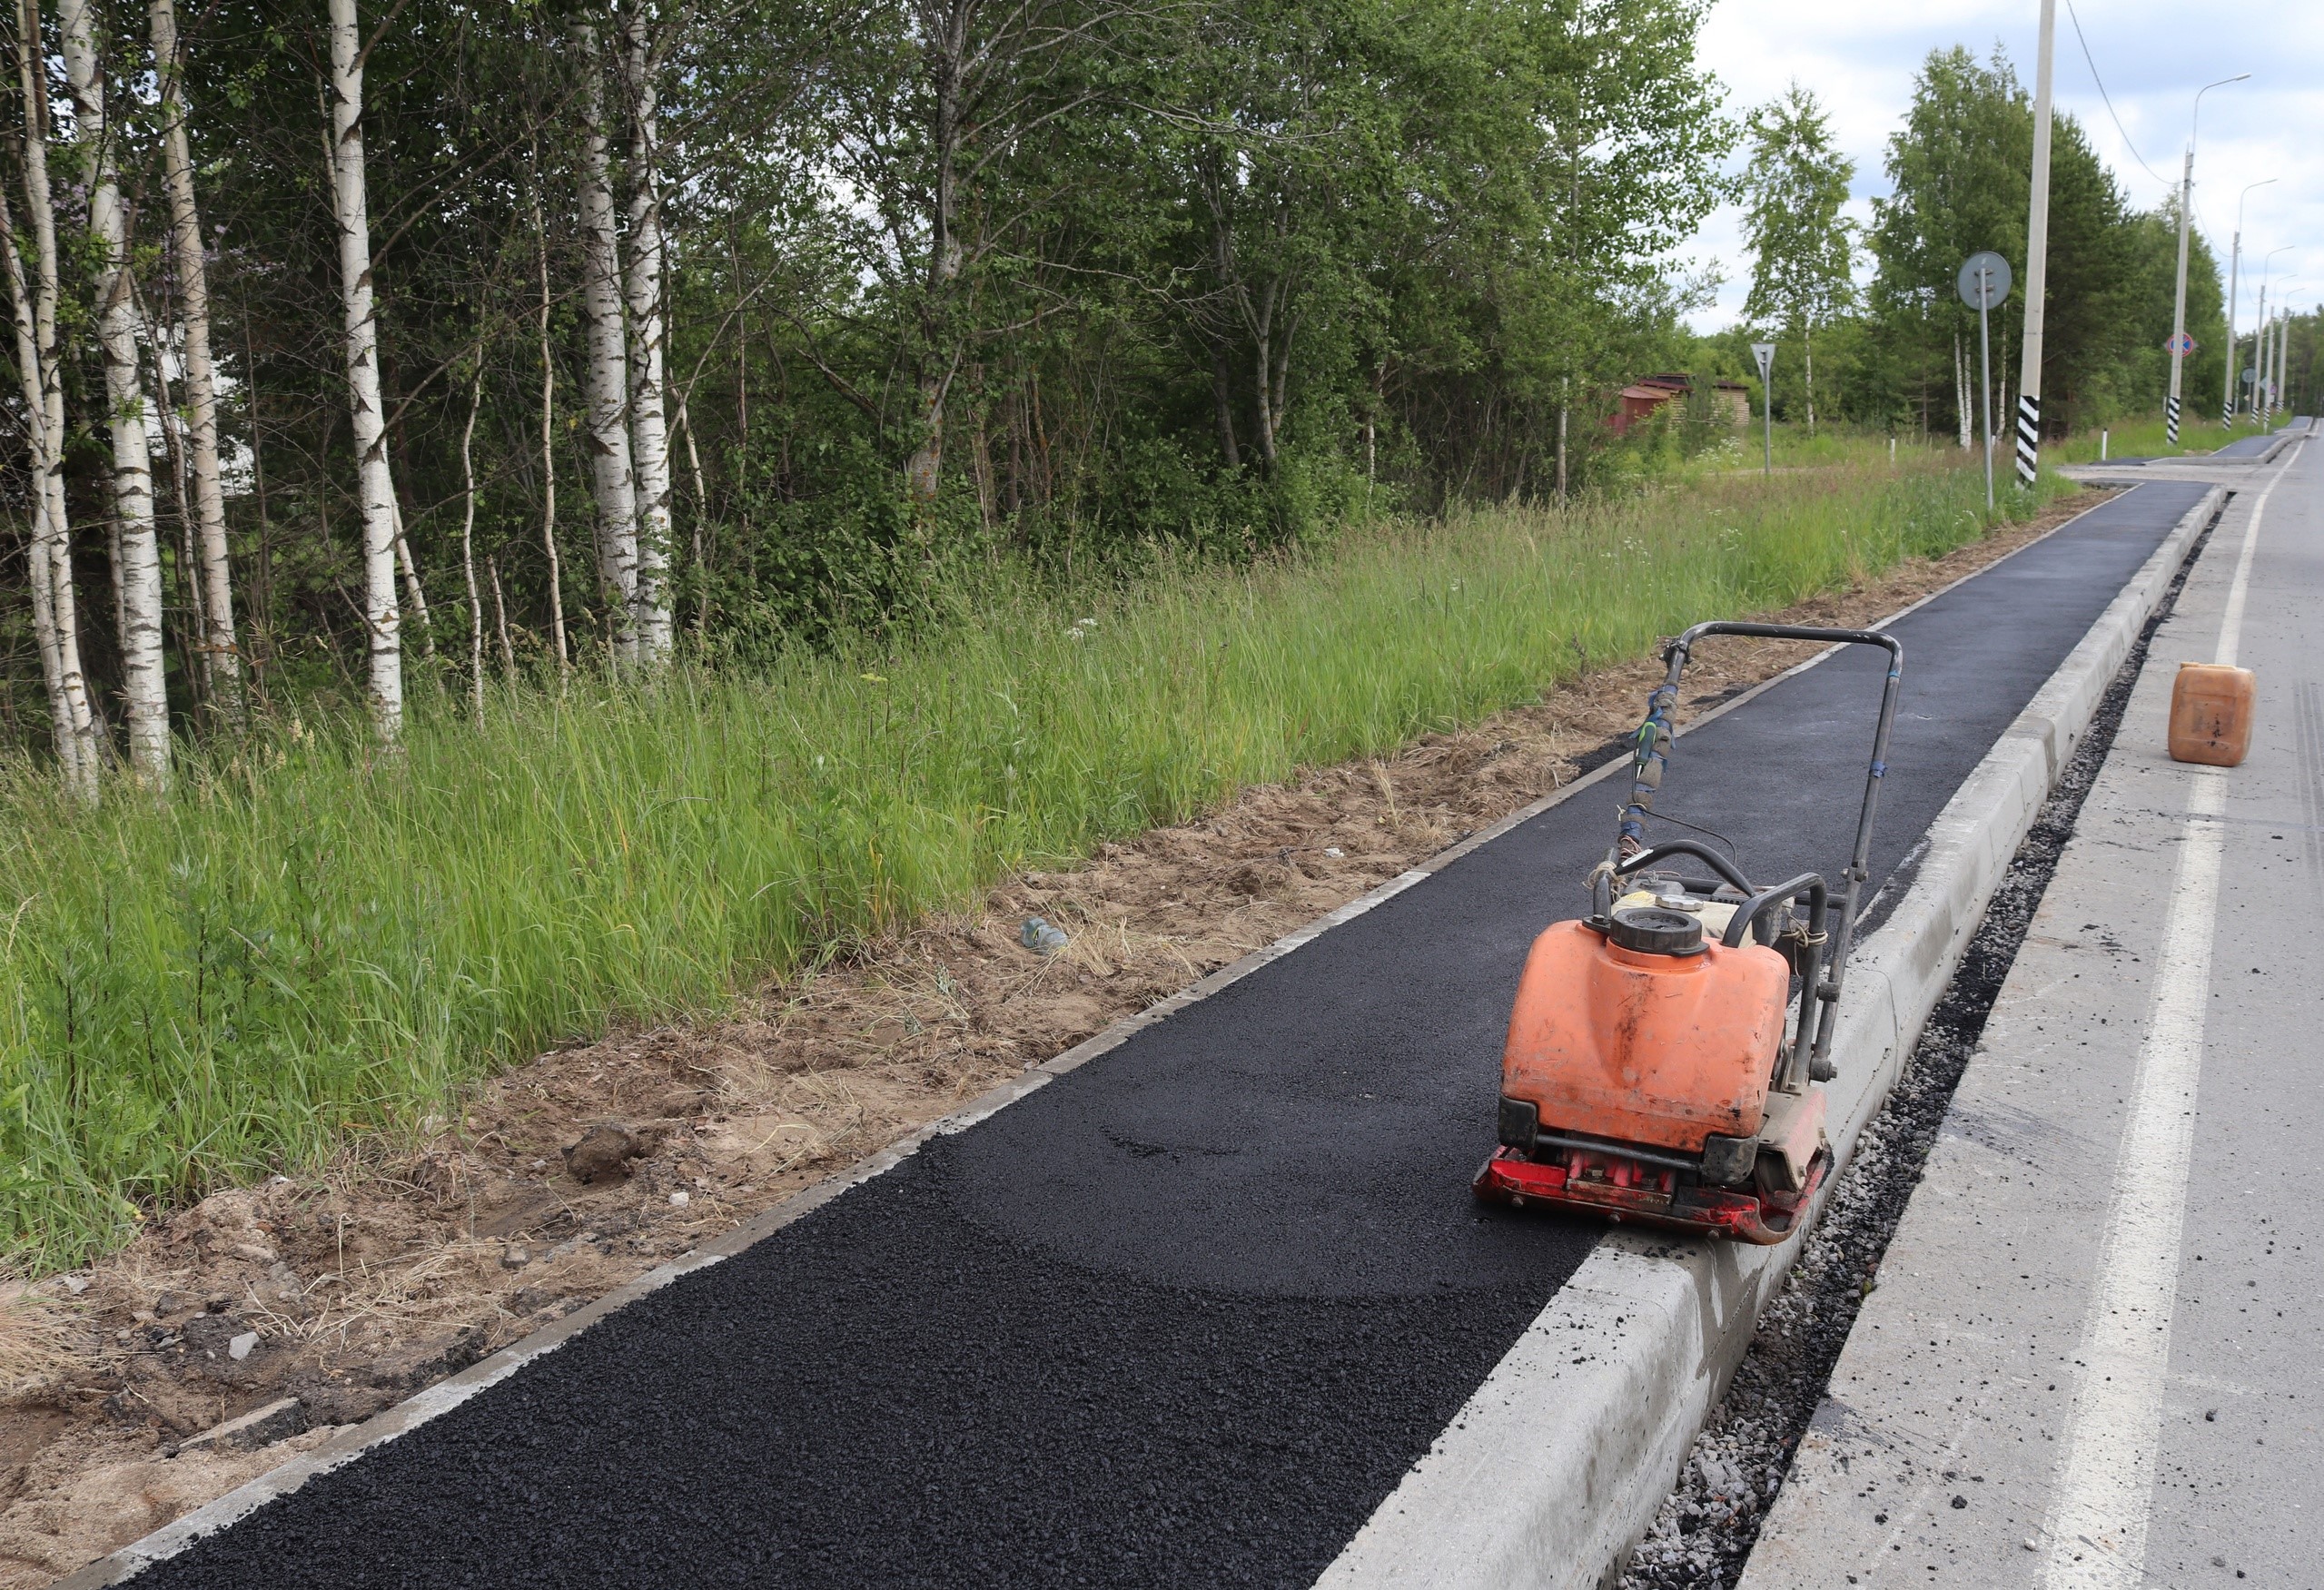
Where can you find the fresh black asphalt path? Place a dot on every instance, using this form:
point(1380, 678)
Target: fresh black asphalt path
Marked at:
point(1184, 1316)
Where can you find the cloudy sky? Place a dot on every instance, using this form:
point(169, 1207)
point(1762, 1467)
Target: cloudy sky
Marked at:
point(1860, 56)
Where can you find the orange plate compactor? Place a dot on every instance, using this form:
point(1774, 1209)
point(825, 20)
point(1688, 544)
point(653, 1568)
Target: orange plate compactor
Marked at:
point(1654, 1070)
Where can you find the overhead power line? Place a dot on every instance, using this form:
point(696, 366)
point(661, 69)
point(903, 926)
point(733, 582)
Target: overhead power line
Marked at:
point(2108, 101)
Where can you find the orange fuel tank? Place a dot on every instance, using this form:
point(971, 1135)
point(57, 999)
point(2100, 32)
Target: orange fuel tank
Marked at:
point(2211, 714)
point(1649, 1049)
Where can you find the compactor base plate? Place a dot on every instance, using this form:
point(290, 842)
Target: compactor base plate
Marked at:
point(1628, 1192)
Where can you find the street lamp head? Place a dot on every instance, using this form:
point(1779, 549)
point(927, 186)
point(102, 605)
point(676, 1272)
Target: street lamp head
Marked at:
point(2262, 182)
point(2197, 116)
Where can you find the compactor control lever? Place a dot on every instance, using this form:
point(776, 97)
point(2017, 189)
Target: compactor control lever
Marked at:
point(1631, 853)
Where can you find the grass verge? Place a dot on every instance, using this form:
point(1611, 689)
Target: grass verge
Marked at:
point(310, 942)
point(2145, 438)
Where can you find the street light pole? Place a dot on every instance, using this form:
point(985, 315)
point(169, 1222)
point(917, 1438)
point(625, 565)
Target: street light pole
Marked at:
point(2037, 263)
point(2179, 297)
point(2280, 367)
point(2235, 262)
point(2259, 331)
point(2283, 335)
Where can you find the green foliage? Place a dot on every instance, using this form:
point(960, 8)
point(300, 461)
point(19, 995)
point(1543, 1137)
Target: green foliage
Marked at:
point(312, 943)
point(1961, 169)
point(1803, 252)
point(1095, 276)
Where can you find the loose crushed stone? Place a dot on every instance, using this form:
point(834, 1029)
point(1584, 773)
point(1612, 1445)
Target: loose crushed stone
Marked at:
point(1703, 1534)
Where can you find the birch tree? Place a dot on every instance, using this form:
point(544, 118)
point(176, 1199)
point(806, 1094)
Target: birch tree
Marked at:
point(649, 429)
point(192, 282)
point(467, 540)
point(1803, 252)
point(548, 445)
point(605, 372)
point(39, 558)
point(81, 752)
point(137, 570)
point(383, 620)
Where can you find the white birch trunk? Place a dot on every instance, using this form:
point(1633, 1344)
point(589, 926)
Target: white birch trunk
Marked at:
point(1961, 392)
point(413, 594)
point(701, 510)
point(37, 562)
point(219, 642)
point(547, 451)
point(606, 374)
point(648, 423)
point(199, 673)
point(500, 622)
point(145, 679)
point(49, 429)
point(1807, 341)
point(467, 542)
point(375, 486)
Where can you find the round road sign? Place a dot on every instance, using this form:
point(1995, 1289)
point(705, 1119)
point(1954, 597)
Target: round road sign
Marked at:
point(2182, 344)
point(1984, 281)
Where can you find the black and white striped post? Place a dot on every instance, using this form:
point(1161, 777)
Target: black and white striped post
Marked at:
point(2037, 264)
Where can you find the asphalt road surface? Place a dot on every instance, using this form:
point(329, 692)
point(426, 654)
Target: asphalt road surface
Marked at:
point(1185, 1315)
point(2096, 1325)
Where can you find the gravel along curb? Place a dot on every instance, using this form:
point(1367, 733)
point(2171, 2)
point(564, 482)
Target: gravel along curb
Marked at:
point(446, 1395)
point(1741, 1463)
point(1635, 1349)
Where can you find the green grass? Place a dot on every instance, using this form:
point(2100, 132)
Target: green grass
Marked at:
point(1833, 446)
point(310, 942)
point(2145, 438)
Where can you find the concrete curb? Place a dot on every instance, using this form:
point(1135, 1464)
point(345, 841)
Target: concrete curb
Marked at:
point(1635, 1351)
point(447, 1394)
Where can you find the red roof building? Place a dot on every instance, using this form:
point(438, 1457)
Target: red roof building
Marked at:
point(1641, 398)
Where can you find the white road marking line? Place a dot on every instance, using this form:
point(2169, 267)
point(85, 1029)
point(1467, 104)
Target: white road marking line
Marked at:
point(2098, 1522)
point(2231, 627)
point(2097, 1527)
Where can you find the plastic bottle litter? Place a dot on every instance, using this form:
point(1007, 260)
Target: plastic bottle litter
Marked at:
point(1042, 939)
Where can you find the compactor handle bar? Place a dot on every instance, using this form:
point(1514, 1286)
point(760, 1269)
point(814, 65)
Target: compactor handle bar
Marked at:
point(1654, 738)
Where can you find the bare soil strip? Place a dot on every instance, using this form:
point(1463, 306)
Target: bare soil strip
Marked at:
point(570, 1175)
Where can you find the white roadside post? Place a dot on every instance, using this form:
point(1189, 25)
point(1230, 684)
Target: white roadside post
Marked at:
point(1984, 283)
point(1765, 352)
point(2037, 264)
point(2181, 344)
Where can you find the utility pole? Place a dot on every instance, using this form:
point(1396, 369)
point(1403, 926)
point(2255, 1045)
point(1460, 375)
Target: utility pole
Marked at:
point(2178, 296)
point(2234, 265)
point(2179, 300)
point(2276, 341)
point(2259, 331)
point(2275, 363)
point(2283, 346)
point(2259, 345)
point(2037, 263)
